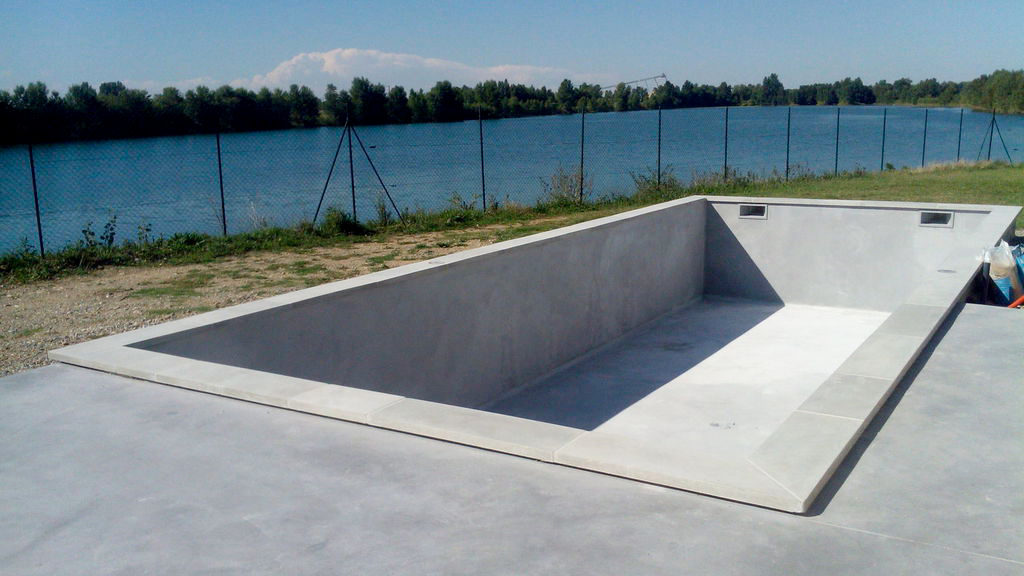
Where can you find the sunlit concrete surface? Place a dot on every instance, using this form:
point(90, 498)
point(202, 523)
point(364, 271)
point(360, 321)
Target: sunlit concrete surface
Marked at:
point(101, 474)
point(735, 347)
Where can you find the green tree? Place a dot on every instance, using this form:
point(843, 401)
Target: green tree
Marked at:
point(335, 106)
point(369, 102)
point(398, 105)
point(304, 106)
point(445, 103)
point(773, 93)
point(419, 110)
point(566, 97)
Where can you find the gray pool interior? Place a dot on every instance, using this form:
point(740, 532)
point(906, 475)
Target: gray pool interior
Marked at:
point(473, 333)
point(735, 347)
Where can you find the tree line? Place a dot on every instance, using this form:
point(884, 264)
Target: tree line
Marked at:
point(33, 113)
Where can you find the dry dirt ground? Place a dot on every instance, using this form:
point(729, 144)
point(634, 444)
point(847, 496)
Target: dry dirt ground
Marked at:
point(41, 316)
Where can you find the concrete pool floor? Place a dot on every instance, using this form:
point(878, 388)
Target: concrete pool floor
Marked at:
point(102, 474)
point(721, 372)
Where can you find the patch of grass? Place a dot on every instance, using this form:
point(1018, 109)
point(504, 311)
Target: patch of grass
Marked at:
point(305, 268)
point(27, 332)
point(382, 259)
point(237, 273)
point(279, 282)
point(186, 286)
point(162, 312)
point(525, 230)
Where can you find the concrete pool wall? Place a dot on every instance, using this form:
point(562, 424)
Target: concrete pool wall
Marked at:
point(730, 346)
point(467, 332)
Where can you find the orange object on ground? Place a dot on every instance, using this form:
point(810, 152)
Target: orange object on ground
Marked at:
point(1017, 302)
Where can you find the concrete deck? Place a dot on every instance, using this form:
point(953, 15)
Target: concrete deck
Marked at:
point(101, 474)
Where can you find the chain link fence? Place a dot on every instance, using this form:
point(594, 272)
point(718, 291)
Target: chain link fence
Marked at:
point(111, 191)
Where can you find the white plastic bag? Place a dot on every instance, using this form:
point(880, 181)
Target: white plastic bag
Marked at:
point(1003, 271)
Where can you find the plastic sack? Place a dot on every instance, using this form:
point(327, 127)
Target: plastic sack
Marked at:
point(1003, 271)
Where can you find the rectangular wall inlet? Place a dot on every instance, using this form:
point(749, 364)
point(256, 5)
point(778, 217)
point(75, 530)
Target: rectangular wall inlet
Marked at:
point(757, 211)
point(937, 219)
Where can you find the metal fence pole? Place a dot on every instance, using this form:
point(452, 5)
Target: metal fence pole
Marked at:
point(725, 160)
point(991, 133)
point(35, 196)
point(351, 171)
point(583, 133)
point(659, 145)
point(220, 179)
point(960, 135)
point(789, 123)
point(924, 139)
point(881, 164)
point(1003, 142)
point(330, 172)
point(836, 170)
point(483, 180)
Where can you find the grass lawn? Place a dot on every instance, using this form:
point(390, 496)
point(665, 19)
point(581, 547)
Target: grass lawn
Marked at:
point(962, 184)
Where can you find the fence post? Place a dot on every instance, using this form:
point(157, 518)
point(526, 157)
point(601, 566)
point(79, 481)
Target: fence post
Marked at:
point(789, 123)
point(924, 139)
point(659, 145)
point(583, 133)
point(35, 196)
point(330, 172)
point(836, 170)
point(351, 171)
point(959, 134)
point(220, 179)
point(881, 164)
point(991, 133)
point(725, 160)
point(483, 181)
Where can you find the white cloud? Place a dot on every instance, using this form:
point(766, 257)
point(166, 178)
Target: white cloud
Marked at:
point(339, 66)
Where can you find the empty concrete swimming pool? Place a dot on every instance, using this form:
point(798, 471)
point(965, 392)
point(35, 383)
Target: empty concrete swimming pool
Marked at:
point(730, 346)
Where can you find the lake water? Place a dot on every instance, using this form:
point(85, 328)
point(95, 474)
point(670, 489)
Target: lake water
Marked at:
point(171, 184)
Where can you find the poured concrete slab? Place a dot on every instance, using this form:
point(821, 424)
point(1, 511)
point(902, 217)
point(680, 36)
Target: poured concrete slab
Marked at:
point(102, 474)
point(583, 346)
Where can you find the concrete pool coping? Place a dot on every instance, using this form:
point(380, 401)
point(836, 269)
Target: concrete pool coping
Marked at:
point(786, 472)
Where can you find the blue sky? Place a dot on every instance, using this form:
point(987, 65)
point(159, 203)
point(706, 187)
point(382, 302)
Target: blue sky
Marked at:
point(254, 43)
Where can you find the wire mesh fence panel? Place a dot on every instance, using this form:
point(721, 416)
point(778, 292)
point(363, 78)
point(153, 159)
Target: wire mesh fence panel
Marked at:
point(525, 156)
point(943, 128)
point(118, 190)
point(904, 136)
point(275, 178)
point(860, 137)
point(425, 167)
point(692, 142)
point(977, 144)
point(757, 141)
point(619, 148)
point(17, 207)
point(812, 140)
point(1012, 130)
